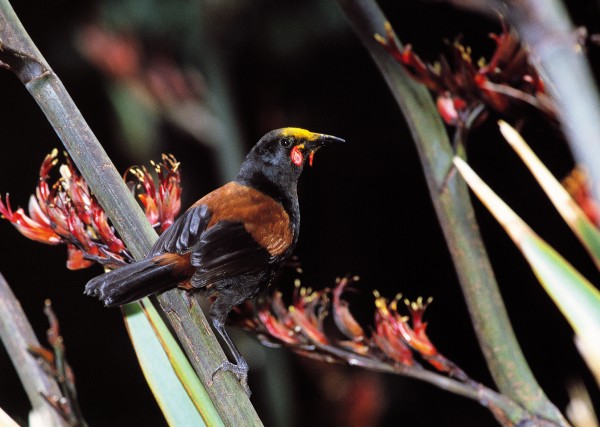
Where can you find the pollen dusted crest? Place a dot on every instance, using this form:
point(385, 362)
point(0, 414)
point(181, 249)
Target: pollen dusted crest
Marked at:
point(300, 133)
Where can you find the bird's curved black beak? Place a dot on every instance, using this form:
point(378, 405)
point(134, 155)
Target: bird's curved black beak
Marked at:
point(322, 140)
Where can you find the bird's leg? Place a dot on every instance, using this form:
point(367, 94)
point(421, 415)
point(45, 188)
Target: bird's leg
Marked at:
point(240, 367)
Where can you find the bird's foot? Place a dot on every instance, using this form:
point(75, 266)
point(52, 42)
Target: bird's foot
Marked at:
point(240, 370)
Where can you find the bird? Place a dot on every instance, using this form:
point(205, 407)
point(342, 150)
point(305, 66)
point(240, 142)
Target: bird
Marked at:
point(231, 243)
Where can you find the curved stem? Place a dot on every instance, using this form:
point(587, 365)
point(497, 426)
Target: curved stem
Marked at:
point(506, 411)
point(452, 204)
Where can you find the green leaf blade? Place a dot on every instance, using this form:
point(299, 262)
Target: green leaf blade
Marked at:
point(585, 230)
point(577, 299)
point(183, 368)
point(180, 407)
point(575, 296)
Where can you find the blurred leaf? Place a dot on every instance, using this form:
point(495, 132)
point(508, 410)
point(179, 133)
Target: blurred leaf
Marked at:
point(575, 296)
point(139, 119)
point(178, 391)
point(6, 420)
point(574, 216)
point(589, 347)
point(580, 408)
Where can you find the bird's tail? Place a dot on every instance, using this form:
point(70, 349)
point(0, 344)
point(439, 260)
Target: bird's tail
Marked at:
point(132, 282)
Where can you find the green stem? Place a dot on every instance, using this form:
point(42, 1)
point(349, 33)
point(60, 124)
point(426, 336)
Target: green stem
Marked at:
point(505, 411)
point(22, 56)
point(452, 204)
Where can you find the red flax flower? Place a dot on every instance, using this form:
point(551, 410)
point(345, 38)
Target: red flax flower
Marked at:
point(396, 344)
point(304, 327)
point(66, 212)
point(299, 326)
point(161, 202)
point(466, 88)
point(396, 335)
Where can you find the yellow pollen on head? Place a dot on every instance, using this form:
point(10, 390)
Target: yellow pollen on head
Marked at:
point(300, 133)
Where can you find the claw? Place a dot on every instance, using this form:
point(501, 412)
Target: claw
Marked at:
point(239, 370)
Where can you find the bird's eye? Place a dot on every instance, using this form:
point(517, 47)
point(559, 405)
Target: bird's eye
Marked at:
point(285, 141)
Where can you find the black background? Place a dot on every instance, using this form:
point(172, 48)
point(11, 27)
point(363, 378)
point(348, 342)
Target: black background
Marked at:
point(365, 210)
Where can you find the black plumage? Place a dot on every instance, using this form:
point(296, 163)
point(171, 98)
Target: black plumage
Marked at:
point(231, 242)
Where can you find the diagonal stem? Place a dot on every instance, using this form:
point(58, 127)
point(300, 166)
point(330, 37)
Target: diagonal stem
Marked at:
point(506, 411)
point(189, 323)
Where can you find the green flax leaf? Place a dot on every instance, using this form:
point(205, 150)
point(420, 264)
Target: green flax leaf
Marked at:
point(585, 230)
point(176, 387)
point(574, 295)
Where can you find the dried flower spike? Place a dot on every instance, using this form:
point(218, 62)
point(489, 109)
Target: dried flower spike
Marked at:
point(55, 364)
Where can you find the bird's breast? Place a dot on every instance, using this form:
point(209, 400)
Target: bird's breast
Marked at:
point(264, 218)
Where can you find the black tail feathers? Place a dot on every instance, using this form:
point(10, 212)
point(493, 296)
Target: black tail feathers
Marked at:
point(131, 282)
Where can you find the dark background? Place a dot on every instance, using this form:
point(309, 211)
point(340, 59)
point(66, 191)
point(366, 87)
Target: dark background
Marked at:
point(365, 210)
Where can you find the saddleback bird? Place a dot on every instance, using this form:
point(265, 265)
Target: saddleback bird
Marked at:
point(230, 243)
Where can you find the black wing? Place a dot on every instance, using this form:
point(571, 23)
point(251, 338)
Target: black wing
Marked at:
point(227, 250)
point(185, 232)
point(222, 251)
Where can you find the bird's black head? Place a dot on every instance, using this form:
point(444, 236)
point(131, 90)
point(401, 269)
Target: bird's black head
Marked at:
point(279, 156)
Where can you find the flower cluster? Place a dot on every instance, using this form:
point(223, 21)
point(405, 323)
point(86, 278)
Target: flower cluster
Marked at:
point(303, 327)
point(464, 88)
point(66, 212)
point(161, 202)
